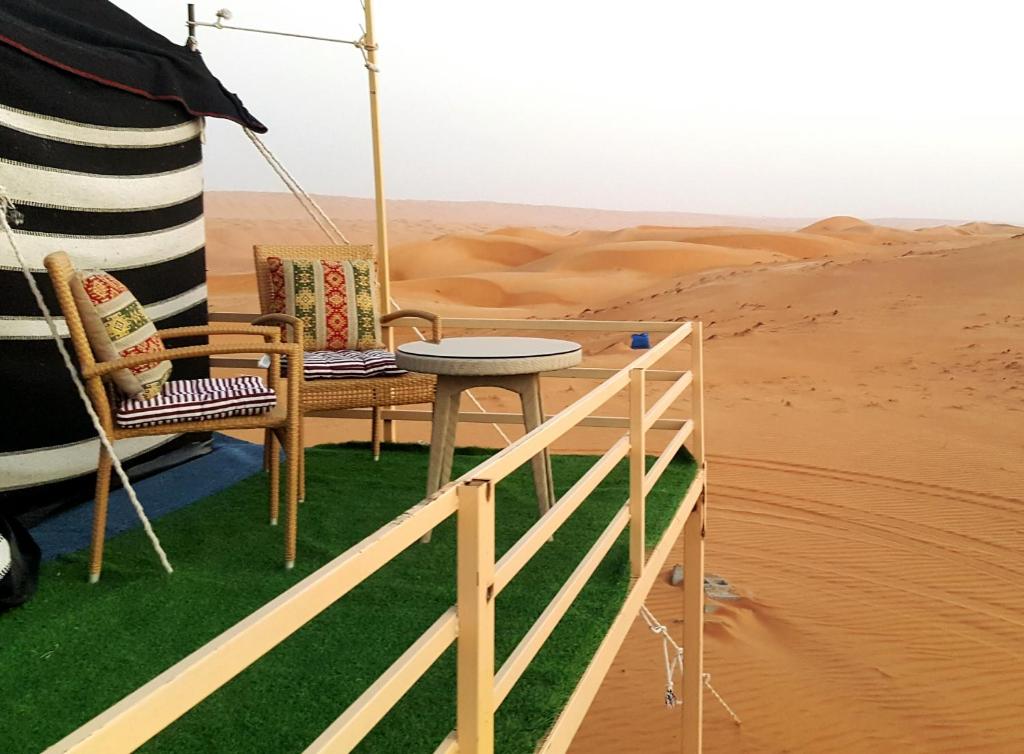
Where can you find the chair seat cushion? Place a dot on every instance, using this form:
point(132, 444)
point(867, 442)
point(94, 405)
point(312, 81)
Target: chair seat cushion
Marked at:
point(198, 400)
point(332, 365)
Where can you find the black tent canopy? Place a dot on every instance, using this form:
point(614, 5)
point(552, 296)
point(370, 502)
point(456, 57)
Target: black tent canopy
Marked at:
point(100, 149)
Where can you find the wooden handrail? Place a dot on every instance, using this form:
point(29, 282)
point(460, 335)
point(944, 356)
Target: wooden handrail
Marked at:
point(141, 715)
point(144, 713)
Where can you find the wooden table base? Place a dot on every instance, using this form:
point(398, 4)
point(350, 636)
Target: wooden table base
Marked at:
point(446, 419)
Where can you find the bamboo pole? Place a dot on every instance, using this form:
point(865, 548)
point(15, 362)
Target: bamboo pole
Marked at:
point(475, 589)
point(383, 252)
point(637, 455)
point(370, 46)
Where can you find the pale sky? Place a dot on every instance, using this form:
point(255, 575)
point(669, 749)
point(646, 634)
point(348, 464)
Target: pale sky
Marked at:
point(790, 108)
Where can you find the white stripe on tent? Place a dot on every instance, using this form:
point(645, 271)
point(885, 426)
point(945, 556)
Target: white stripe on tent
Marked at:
point(28, 468)
point(70, 190)
point(99, 136)
point(110, 253)
point(25, 328)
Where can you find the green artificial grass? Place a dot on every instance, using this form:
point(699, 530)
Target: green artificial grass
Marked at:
point(76, 649)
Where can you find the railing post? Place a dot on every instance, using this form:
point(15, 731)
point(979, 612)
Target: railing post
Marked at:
point(637, 469)
point(693, 628)
point(693, 572)
point(475, 586)
point(697, 390)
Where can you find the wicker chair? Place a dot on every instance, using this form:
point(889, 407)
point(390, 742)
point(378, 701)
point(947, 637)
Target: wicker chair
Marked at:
point(282, 422)
point(364, 392)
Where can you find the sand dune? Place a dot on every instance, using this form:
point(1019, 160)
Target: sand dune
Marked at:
point(865, 401)
point(460, 254)
point(655, 258)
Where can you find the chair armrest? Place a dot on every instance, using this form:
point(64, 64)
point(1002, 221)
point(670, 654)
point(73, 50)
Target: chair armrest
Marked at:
point(285, 320)
point(292, 350)
point(272, 334)
point(433, 319)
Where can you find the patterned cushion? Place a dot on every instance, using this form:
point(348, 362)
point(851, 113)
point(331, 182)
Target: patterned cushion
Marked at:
point(191, 400)
point(116, 325)
point(340, 364)
point(336, 301)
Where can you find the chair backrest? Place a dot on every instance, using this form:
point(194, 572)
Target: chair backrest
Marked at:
point(333, 253)
point(62, 271)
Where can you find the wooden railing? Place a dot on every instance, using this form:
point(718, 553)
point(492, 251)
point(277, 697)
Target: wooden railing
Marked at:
point(480, 578)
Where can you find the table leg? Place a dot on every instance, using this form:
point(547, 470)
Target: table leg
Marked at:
point(533, 417)
point(455, 400)
point(438, 429)
point(445, 421)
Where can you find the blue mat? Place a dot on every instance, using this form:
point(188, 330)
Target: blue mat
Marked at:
point(230, 461)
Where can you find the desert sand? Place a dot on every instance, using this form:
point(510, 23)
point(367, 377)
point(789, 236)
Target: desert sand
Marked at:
point(865, 420)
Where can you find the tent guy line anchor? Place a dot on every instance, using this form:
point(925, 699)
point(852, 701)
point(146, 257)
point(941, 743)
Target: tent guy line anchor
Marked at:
point(9, 213)
point(674, 660)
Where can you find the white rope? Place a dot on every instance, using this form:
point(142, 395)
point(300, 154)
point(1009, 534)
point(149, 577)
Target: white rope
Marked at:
point(674, 661)
point(334, 234)
point(314, 210)
point(7, 206)
point(472, 397)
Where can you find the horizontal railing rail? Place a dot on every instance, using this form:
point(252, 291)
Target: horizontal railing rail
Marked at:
point(480, 577)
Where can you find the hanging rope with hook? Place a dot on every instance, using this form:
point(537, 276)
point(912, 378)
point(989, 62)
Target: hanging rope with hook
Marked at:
point(674, 663)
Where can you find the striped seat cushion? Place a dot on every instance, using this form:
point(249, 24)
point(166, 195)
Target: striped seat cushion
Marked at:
point(196, 400)
point(332, 365)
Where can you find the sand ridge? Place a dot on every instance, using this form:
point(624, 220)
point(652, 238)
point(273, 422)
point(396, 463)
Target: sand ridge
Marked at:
point(865, 391)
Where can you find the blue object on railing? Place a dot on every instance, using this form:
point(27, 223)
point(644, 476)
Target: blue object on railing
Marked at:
point(640, 340)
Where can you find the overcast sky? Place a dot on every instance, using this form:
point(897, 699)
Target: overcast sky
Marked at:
point(784, 108)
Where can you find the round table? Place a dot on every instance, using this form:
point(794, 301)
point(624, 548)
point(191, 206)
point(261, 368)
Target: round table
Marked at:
point(511, 363)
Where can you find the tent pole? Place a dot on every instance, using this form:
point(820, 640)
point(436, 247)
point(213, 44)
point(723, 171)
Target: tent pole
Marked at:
point(192, 43)
point(384, 262)
point(378, 176)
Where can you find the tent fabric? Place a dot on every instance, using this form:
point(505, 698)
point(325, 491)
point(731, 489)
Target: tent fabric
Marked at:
point(97, 41)
point(116, 180)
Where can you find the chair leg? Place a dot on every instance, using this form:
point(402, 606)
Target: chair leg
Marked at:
point(293, 454)
point(99, 515)
point(268, 435)
point(274, 462)
point(302, 470)
point(375, 432)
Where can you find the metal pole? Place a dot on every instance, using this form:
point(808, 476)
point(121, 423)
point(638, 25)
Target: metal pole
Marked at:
point(192, 42)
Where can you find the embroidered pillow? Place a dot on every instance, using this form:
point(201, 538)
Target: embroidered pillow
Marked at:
point(116, 325)
point(336, 301)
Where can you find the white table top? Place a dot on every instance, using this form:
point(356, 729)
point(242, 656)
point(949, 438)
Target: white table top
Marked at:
point(489, 356)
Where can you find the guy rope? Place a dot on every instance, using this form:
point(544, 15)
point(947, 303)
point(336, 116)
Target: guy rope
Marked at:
point(9, 214)
point(674, 663)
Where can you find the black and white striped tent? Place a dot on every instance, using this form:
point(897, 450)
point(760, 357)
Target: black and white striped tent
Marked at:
point(100, 149)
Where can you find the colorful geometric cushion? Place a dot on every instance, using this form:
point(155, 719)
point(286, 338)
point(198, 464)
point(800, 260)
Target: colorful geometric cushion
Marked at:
point(336, 301)
point(190, 400)
point(320, 365)
point(116, 325)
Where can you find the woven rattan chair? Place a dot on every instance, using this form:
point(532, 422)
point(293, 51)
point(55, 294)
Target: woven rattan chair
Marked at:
point(282, 422)
point(362, 392)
